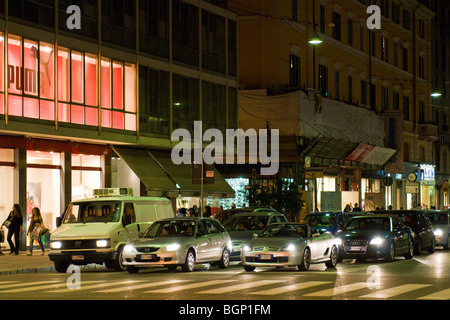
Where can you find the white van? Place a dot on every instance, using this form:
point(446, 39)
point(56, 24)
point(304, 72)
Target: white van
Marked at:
point(95, 230)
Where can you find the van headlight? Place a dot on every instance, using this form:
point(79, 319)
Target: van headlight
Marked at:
point(56, 244)
point(438, 232)
point(102, 243)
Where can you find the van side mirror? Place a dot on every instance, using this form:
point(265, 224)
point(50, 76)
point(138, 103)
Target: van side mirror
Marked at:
point(140, 234)
point(58, 221)
point(126, 220)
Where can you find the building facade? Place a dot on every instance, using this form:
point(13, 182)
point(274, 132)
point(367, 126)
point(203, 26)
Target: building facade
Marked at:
point(386, 72)
point(95, 107)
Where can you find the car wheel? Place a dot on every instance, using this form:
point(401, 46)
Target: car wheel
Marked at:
point(189, 265)
point(132, 269)
point(306, 260)
point(61, 267)
point(249, 268)
point(410, 253)
point(225, 261)
point(432, 246)
point(447, 246)
point(333, 258)
point(117, 264)
point(389, 257)
point(418, 247)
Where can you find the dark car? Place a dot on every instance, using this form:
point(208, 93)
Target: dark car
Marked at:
point(223, 215)
point(420, 224)
point(440, 220)
point(375, 236)
point(329, 221)
point(242, 226)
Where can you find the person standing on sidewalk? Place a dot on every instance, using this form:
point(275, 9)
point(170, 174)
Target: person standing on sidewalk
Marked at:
point(36, 221)
point(15, 228)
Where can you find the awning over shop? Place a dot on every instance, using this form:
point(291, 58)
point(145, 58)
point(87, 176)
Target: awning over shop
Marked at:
point(159, 174)
point(366, 153)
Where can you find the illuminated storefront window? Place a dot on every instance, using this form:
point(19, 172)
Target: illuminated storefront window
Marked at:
point(86, 175)
point(30, 85)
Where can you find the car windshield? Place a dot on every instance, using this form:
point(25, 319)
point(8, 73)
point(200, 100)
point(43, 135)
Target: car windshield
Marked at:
point(438, 217)
point(171, 228)
point(324, 219)
point(285, 230)
point(243, 223)
point(94, 211)
point(380, 223)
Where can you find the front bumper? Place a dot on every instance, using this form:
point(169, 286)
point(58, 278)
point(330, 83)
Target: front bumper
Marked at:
point(365, 252)
point(154, 259)
point(271, 259)
point(82, 257)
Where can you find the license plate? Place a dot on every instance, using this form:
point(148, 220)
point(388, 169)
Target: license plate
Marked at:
point(265, 257)
point(78, 257)
point(353, 248)
point(147, 256)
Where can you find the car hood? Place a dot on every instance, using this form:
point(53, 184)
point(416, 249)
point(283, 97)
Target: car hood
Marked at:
point(160, 241)
point(84, 230)
point(242, 235)
point(274, 241)
point(362, 234)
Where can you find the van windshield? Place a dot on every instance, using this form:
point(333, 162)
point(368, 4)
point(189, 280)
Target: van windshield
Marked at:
point(95, 211)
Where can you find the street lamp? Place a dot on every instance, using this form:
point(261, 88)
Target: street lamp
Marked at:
point(315, 39)
point(435, 94)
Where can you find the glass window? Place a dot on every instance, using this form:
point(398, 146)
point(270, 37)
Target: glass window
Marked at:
point(106, 118)
point(130, 87)
point(117, 85)
point(30, 61)
point(130, 121)
point(1, 61)
point(47, 110)
point(77, 114)
point(105, 83)
point(117, 120)
point(15, 106)
point(31, 108)
point(2, 104)
point(46, 64)
point(90, 80)
point(91, 116)
point(14, 64)
point(77, 76)
point(63, 74)
point(63, 112)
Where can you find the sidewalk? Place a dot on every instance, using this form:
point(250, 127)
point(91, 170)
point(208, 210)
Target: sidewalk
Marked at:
point(13, 264)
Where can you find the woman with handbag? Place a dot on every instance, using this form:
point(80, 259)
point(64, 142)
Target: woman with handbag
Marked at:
point(34, 230)
point(14, 225)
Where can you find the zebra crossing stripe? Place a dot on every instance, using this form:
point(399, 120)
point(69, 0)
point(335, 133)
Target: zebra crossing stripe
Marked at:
point(96, 286)
point(241, 287)
point(190, 286)
point(39, 287)
point(22, 284)
point(338, 290)
point(293, 287)
point(440, 295)
point(388, 293)
point(141, 286)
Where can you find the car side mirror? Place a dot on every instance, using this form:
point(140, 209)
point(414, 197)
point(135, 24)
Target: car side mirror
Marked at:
point(140, 234)
point(255, 235)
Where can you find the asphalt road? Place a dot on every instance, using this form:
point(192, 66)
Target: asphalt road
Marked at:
point(425, 277)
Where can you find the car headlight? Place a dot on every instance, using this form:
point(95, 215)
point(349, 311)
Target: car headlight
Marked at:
point(377, 241)
point(128, 248)
point(102, 243)
point(290, 247)
point(171, 247)
point(438, 232)
point(247, 248)
point(56, 244)
point(338, 241)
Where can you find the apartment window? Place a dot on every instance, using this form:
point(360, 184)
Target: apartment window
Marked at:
point(337, 84)
point(384, 49)
point(185, 33)
point(384, 7)
point(421, 29)
point(406, 20)
point(405, 58)
point(350, 32)
point(396, 54)
point(350, 89)
point(385, 98)
point(395, 12)
point(186, 102)
point(363, 92)
point(154, 27)
point(373, 97)
point(421, 112)
point(336, 26)
point(395, 101)
point(323, 80)
point(322, 18)
point(421, 68)
point(362, 29)
point(294, 5)
point(294, 71)
point(406, 108)
point(373, 42)
point(213, 42)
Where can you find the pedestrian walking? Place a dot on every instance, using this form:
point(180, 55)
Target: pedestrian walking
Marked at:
point(14, 224)
point(36, 222)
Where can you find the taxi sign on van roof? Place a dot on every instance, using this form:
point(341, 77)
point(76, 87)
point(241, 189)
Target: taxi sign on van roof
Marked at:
point(112, 192)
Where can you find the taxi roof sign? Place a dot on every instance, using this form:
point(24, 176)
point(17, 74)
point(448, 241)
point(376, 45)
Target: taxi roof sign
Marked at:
point(112, 192)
